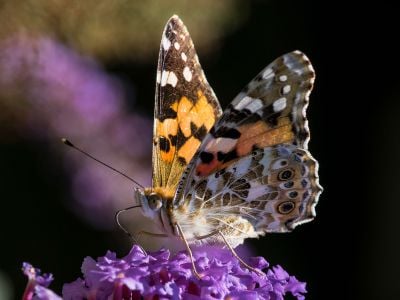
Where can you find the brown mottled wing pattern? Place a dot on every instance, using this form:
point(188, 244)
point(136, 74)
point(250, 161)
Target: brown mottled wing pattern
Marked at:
point(270, 190)
point(252, 173)
point(186, 108)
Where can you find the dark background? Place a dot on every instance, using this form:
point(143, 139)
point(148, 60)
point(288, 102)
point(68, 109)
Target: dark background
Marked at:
point(351, 250)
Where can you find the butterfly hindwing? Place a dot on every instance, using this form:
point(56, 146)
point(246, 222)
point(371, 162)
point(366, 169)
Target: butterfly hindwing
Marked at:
point(270, 190)
point(186, 107)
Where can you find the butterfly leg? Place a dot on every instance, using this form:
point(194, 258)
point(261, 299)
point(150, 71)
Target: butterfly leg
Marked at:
point(202, 237)
point(188, 250)
point(143, 232)
point(230, 248)
point(238, 257)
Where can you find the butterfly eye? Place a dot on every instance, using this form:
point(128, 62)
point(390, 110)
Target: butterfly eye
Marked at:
point(286, 207)
point(285, 175)
point(154, 201)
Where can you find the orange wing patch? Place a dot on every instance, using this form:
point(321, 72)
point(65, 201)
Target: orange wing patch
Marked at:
point(179, 136)
point(167, 129)
point(261, 135)
point(200, 114)
point(189, 148)
point(191, 116)
point(220, 152)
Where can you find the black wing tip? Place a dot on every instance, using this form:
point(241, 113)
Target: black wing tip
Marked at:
point(174, 24)
point(298, 60)
point(298, 55)
point(175, 20)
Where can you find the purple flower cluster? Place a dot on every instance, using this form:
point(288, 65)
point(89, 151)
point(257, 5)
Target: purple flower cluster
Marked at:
point(159, 275)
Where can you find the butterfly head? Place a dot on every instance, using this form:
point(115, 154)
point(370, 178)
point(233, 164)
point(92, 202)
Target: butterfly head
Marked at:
point(155, 205)
point(151, 202)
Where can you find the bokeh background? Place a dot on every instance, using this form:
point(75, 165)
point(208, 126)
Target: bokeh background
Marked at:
point(86, 70)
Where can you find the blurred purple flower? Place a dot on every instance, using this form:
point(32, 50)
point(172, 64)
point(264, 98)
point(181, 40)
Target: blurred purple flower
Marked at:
point(160, 276)
point(56, 92)
point(37, 284)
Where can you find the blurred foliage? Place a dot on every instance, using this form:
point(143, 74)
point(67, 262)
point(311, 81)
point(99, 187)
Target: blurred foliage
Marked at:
point(122, 29)
point(5, 287)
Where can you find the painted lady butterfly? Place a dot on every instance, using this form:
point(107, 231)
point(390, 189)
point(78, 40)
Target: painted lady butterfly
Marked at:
point(221, 177)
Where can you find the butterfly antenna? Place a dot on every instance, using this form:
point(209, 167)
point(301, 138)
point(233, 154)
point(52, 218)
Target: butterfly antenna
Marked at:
point(68, 143)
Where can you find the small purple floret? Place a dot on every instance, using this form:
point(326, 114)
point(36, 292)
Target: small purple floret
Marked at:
point(37, 284)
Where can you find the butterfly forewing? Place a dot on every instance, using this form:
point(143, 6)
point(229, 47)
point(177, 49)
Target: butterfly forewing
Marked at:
point(185, 110)
point(269, 111)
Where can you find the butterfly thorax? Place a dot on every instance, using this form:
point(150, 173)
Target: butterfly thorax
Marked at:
point(157, 204)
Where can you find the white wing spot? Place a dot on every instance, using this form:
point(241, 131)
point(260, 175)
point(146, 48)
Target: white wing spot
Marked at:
point(286, 89)
point(268, 73)
point(243, 102)
point(249, 103)
point(187, 74)
point(158, 76)
point(166, 43)
point(239, 98)
point(164, 77)
point(255, 105)
point(279, 105)
point(176, 45)
point(172, 79)
point(283, 78)
point(168, 77)
point(184, 57)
